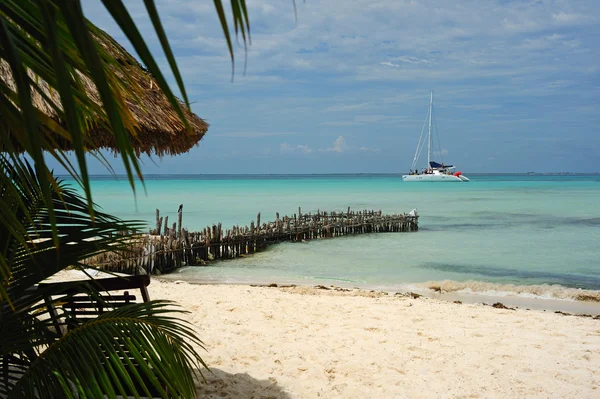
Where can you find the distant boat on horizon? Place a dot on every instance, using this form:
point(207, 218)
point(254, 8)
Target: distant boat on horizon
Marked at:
point(435, 171)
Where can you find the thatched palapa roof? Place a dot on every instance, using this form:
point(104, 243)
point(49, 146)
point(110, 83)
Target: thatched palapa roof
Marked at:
point(157, 127)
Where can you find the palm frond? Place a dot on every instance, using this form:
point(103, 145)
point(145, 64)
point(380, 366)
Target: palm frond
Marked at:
point(26, 229)
point(136, 348)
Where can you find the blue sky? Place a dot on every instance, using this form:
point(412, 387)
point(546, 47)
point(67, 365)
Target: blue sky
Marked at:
point(345, 89)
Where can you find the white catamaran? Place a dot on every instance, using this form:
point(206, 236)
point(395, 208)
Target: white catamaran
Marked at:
point(435, 171)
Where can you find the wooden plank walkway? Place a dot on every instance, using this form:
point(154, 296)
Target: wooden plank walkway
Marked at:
point(165, 249)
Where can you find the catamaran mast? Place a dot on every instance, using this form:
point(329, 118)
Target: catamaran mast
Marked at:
point(429, 140)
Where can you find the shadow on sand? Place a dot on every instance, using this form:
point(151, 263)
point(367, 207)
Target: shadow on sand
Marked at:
point(220, 384)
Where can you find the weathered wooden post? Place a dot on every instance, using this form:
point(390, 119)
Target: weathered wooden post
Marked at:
point(220, 238)
point(252, 238)
point(159, 227)
point(179, 218)
point(157, 221)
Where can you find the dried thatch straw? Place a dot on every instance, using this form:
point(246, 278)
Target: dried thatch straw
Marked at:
point(157, 128)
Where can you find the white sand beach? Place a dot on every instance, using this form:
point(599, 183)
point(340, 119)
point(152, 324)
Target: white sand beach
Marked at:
point(307, 343)
point(301, 342)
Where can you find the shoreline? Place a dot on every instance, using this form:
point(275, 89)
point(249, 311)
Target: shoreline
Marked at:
point(571, 306)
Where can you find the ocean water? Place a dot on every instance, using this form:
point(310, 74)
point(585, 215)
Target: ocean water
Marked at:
point(500, 234)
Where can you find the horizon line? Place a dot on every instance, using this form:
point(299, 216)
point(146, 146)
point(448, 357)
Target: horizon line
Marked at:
point(333, 174)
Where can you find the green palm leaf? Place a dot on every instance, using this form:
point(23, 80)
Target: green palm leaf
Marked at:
point(137, 348)
point(27, 235)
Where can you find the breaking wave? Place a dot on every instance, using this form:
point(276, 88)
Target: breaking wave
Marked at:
point(543, 291)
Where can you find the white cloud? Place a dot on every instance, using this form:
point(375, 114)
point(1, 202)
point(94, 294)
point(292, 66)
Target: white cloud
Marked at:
point(390, 64)
point(416, 39)
point(567, 18)
point(413, 60)
point(300, 63)
point(552, 41)
point(520, 24)
point(286, 148)
point(339, 145)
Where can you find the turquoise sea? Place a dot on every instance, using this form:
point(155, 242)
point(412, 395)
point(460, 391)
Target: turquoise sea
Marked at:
point(528, 235)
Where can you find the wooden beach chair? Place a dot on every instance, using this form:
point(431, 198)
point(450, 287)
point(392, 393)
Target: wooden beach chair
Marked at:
point(78, 307)
point(71, 305)
point(74, 306)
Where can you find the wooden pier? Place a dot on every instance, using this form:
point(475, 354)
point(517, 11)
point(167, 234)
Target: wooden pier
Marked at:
point(167, 248)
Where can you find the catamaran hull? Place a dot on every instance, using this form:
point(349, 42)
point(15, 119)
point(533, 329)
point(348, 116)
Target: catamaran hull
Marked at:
point(434, 178)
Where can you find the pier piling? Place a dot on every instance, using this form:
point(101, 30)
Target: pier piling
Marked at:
point(157, 253)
